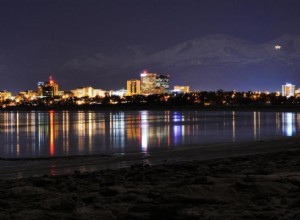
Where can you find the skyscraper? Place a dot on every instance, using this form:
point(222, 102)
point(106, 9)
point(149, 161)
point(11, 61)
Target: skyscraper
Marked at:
point(162, 83)
point(288, 90)
point(48, 89)
point(148, 83)
point(133, 87)
point(152, 83)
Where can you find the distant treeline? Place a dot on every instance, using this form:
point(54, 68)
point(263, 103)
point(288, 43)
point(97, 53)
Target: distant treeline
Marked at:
point(194, 100)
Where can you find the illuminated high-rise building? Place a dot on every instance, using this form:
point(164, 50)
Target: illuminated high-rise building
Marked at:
point(148, 83)
point(162, 84)
point(40, 87)
point(48, 89)
point(133, 87)
point(288, 90)
point(152, 83)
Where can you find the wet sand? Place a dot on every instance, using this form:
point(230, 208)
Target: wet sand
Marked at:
point(251, 180)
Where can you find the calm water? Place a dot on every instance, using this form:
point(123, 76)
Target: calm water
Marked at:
point(36, 134)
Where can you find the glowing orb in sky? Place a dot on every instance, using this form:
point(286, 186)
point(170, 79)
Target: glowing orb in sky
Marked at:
point(277, 47)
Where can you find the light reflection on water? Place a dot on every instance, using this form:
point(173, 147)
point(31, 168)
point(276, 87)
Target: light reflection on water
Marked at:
point(43, 134)
point(289, 127)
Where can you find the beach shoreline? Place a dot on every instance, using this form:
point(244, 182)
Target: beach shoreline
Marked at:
point(248, 180)
point(61, 165)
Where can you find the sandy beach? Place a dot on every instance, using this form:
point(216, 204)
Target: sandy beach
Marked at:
point(251, 180)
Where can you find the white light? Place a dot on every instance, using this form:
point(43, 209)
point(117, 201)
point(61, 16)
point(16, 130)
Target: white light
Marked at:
point(277, 47)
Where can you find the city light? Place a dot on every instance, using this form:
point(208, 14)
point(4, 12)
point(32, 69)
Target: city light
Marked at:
point(151, 88)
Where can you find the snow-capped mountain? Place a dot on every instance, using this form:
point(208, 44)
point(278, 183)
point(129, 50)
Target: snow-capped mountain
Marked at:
point(241, 64)
point(205, 63)
point(222, 50)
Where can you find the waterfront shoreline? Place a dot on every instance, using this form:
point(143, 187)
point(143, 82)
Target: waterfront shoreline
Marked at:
point(62, 165)
point(257, 180)
point(263, 108)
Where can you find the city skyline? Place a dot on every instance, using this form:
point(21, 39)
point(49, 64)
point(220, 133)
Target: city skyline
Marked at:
point(52, 81)
point(149, 109)
point(209, 45)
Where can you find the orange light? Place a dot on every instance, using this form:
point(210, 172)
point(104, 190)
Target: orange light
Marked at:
point(52, 147)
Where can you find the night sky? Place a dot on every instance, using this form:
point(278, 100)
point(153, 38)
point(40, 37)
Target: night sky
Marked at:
point(103, 43)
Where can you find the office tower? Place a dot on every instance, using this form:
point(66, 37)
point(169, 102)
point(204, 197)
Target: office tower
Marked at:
point(148, 83)
point(133, 87)
point(48, 89)
point(162, 84)
point(152, 83)
point(288, 90)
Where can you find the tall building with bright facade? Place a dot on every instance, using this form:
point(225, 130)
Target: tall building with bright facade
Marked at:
point(148, 83)
point(48, 89)
point(133, 87)
point(152, 83)
point(288, 90)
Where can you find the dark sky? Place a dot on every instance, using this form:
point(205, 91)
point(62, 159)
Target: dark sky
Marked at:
point(110, 26)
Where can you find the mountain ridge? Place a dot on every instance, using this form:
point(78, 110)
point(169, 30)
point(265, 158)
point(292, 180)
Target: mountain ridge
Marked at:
point(198, 62)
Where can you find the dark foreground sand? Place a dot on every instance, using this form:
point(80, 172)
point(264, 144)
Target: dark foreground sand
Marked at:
point(242, 186)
